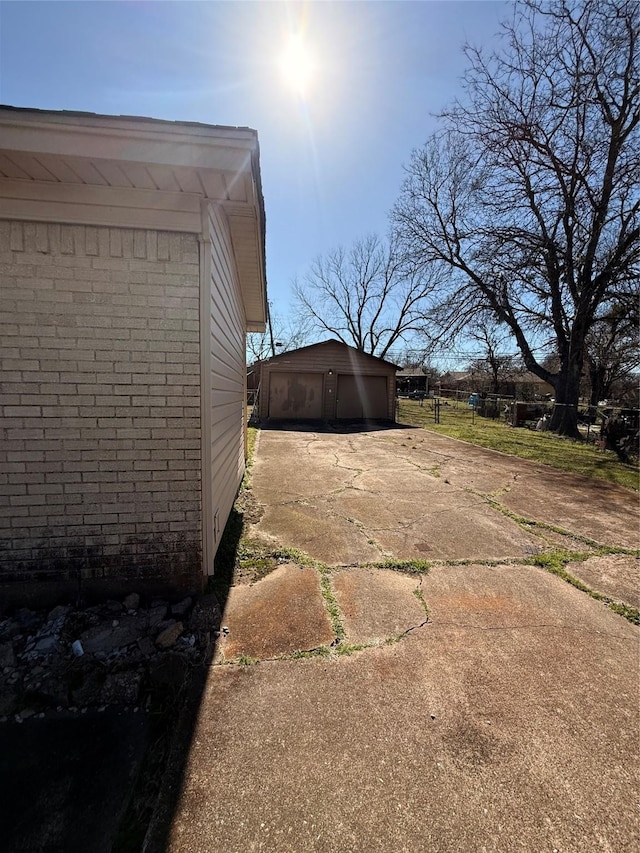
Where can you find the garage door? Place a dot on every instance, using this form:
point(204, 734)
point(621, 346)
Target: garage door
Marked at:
point(362, 397)
point(295, 395)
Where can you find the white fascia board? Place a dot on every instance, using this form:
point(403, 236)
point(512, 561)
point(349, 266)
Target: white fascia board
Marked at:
point(136, 141)
point(40, 201)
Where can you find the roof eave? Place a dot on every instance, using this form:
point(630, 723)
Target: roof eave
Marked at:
point(143, 142)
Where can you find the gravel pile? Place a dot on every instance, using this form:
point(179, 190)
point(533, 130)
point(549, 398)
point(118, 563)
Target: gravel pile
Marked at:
point(70, 659)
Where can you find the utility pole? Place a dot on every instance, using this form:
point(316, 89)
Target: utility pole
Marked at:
point(273, 346)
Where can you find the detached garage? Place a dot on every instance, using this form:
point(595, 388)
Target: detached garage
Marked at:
point(327, 381)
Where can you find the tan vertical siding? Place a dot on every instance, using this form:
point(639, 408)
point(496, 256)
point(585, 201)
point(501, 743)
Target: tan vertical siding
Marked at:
point(228, 368)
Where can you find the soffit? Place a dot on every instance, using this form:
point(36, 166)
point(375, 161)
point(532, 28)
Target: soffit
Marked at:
point(212, 162)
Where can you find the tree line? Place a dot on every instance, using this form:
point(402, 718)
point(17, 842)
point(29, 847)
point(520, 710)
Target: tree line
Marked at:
point(517, 222)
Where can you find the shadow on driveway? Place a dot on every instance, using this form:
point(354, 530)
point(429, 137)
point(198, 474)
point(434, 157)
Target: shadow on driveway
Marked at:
point(157, 834)
point(352, 426)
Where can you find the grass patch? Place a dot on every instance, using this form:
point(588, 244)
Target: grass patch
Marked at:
point(472, 561)
point(330, 602)
point(256, 558)
point(408, 567)
point(545, 448)
point(345, 649)
point(252, 437)
point(420, 596)
point(227, 556)
point(294, 555)
point(304, 654)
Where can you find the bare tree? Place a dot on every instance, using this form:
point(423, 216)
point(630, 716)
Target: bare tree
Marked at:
point(365, 297)
point(530, 191)
point(493, 339)
point(281, 335)
point(612, 351)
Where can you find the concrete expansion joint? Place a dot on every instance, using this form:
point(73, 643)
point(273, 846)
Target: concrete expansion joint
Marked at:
point(351, 488)
point(338, 648)
point(496, 493)
point(330, 602)
point(344, 467)
point(419, 467)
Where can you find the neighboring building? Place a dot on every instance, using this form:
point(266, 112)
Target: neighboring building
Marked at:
point(411, 380)
point(528, 386)
point(520, 384)
point(132, 266)
point(327, 381)
point(456, 380)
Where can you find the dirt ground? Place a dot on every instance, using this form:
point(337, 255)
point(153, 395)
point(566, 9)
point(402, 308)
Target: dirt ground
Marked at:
point(483, 705)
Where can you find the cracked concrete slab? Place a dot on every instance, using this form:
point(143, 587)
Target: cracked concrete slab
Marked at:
point(615, 575)
point(377, 604)
point(512, 715)
point(280, 614)
point(316, 529)
point(289, 486)
point(458, 526)
point(398, 508)
point(445, 461)
point(493, 597)
point(399, 504)
point(591, 508)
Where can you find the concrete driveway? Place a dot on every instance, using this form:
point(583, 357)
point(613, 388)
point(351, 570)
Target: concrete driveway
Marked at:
point(408, 493)
point(486, 705)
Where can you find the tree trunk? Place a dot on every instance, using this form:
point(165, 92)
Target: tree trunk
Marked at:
point(598, 383)
point(564, 419)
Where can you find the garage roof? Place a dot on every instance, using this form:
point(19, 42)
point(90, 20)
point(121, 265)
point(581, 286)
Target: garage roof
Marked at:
point(282, 357)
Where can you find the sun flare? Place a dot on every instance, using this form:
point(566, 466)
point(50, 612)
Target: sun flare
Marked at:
point(297, 65)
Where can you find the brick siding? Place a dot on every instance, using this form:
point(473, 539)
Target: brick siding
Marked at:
point(100, 404)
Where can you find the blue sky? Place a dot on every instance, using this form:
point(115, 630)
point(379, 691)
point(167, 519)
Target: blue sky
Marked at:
point(331, 160)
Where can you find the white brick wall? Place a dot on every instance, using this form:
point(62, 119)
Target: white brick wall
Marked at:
point(99, 403)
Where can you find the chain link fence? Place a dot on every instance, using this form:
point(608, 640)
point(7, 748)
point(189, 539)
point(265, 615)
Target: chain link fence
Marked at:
point(612, 427)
